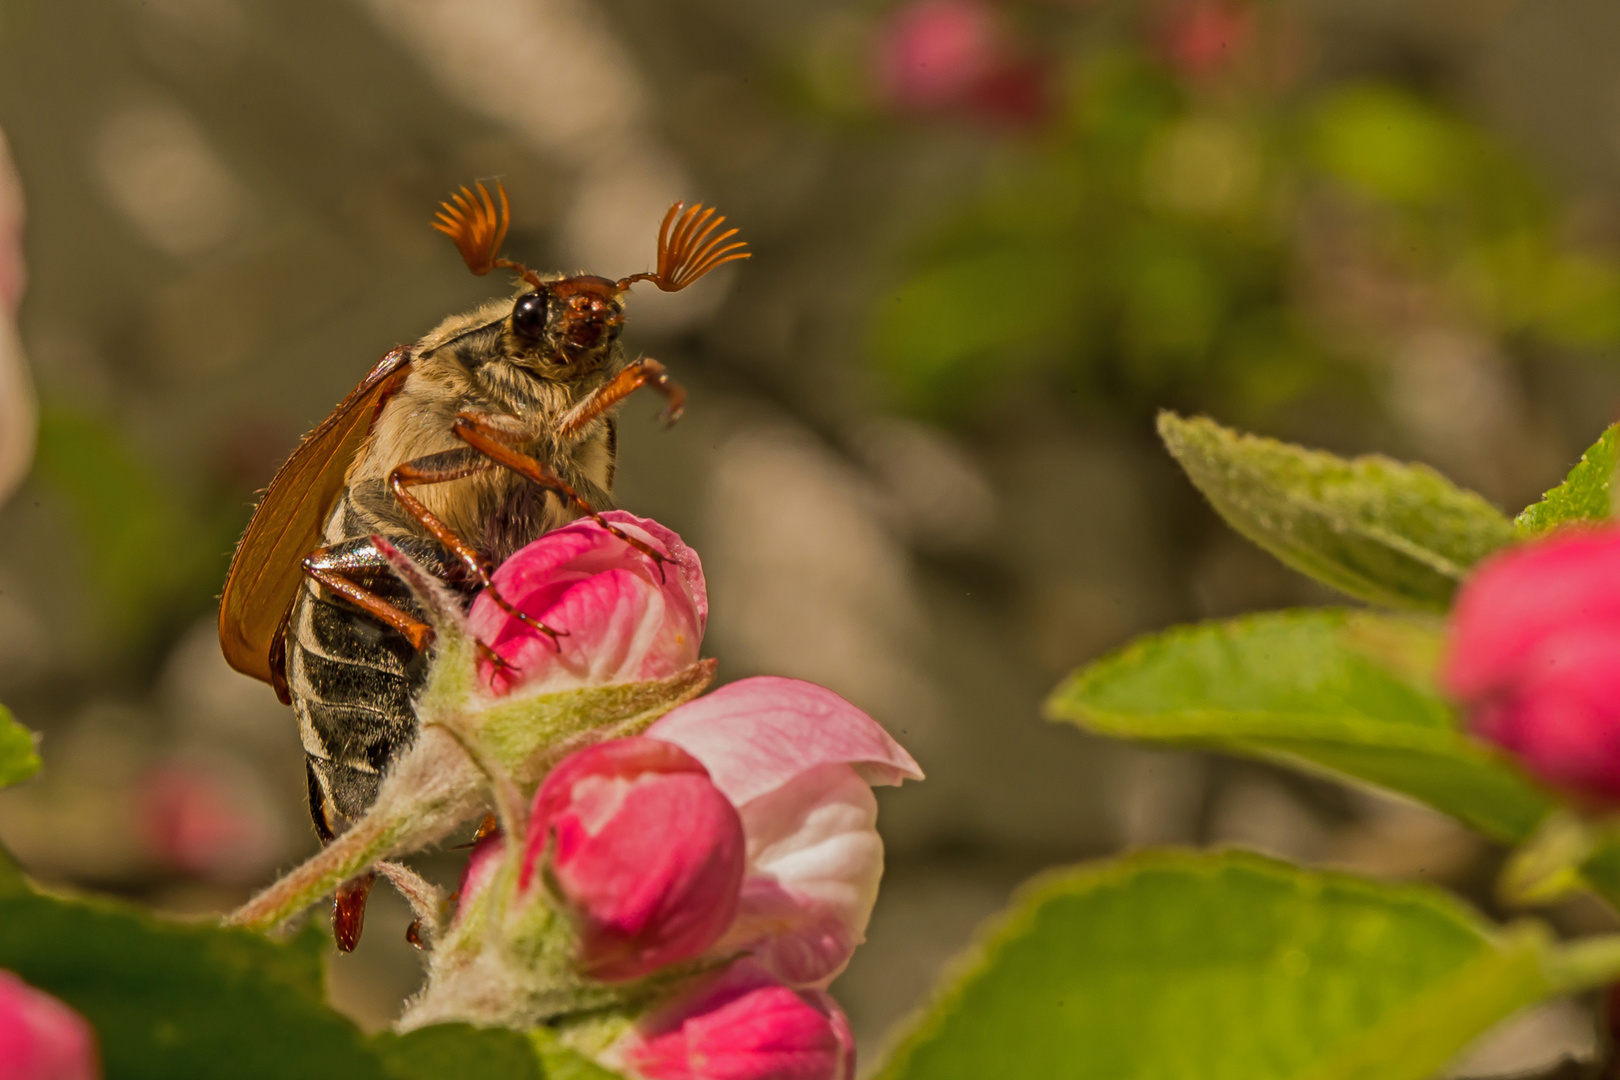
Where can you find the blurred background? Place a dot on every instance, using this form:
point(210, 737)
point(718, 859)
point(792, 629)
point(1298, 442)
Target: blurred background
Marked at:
point(991, 237)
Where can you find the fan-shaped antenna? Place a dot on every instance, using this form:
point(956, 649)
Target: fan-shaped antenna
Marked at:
point(688, 248)
point(478, 229)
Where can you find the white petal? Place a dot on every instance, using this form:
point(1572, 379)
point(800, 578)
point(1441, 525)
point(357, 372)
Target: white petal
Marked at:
point(815, 862)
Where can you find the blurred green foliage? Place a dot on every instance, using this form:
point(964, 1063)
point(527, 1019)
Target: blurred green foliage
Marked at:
point(153, 557)
point(1166, 236)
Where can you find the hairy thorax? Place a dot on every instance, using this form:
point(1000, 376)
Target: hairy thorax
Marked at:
point(470, 364)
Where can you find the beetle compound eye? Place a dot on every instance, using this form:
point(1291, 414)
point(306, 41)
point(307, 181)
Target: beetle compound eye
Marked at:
point(529, 314)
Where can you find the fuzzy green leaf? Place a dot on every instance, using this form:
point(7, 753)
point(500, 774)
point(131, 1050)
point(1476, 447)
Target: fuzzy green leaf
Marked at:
point(18, 759)
point(458, 1052)
point(1585, 493)
point(1225, 967)
point(170, 999)
point(1331, 689)
point(1381, 531)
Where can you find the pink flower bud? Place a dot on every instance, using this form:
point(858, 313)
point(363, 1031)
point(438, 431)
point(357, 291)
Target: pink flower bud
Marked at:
point(620, 616)
point(934, 52)
point(193, 819)
point(480, 870)
point(744, 1026)
point(41, 1038)
point(797, 760)
point(644, 849)
point(1535, 656)
point(938, 56)
point(1203, 37)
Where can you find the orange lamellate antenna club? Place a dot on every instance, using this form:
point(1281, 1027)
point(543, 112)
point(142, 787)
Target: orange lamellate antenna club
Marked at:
point(476, 226)
point(479, 229)
point(688, 247)
point(690, 242)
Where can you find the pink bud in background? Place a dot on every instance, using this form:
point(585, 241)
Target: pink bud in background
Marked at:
point(194, 819)
point(1203, 37)
point(1534, 654)
point(797, 760)
point(622, 618)
point(41, 1038)
point(743, 1025)
point(933, 52)
point(645, 850)
point(938, 56)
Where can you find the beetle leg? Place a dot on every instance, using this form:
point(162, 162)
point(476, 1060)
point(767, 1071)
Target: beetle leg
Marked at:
point(329, 571)
point(479, 431)
point(644, 372)
point(430, 471)
point(349, 910)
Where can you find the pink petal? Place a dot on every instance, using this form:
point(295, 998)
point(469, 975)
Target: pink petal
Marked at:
point(814, 864)
point(1519, 597)
point(758, 734)
point(620, 617)
point(647, 852)
point(1562, 719)
point(742, 1025)
point(41, 1038)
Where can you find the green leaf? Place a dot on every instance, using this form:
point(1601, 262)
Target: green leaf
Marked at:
point(1381, 531)
point(563, 1062)
point(170, 999)
point(18, 759)
point(1583, 496)
point(1225, 967)
point(458, 1052)
point(1330, 689)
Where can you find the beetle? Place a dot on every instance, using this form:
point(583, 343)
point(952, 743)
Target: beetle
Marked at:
point(497, 426)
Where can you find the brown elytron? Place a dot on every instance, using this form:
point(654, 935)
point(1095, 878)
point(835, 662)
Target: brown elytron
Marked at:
point(495, 427)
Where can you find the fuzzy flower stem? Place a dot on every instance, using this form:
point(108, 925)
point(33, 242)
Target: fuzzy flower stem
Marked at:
point(433, 788)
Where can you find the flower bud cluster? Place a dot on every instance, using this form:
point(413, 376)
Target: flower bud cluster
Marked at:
point(699, 883)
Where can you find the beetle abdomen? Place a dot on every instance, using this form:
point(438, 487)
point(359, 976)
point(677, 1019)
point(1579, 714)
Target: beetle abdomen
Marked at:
point(352, 678)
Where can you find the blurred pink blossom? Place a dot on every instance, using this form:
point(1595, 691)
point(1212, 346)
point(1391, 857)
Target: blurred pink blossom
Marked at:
point(192, 819)
point(1202, 37)
point(742, 1025)
point(936, 56)
point(797, 760)
point(619, 616)
point(933, 52)
point(645, 851)
point(1534, 654)
point(41, 1038)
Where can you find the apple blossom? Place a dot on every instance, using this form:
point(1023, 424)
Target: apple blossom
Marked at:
point(645, 851)
point(620, 615)
point(1534, 637)
point(41, 1038)
point(797, 760)
point(1202, 37)
point(741, 1025)
point(934, 51)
